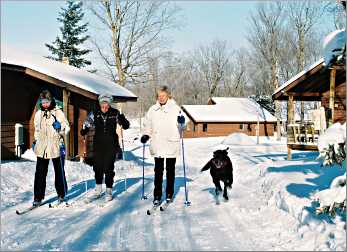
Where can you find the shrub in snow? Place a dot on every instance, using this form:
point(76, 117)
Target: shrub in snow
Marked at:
point(333, 154)
point(333, 198)
point(331, 146)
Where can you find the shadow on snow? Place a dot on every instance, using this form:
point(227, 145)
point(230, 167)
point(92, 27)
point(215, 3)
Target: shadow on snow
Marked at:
point(325, 176)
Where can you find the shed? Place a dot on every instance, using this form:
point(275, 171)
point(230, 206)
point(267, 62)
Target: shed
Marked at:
point(225, 115)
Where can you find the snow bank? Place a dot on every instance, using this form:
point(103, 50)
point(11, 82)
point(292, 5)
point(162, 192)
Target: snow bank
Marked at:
point(318, 234)
point(29, 155)
point(329, 196)
point(334, 135)
point(238, 139)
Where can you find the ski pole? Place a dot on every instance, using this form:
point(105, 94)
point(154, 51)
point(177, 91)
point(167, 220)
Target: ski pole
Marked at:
point(62, 154)
point(144, 197)
point(84, 148)
point(121, 132)
point(62, 161)
point(187, 202)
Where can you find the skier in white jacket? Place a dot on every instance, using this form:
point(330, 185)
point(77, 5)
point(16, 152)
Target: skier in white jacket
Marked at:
point(50, 127)
point(162, 124)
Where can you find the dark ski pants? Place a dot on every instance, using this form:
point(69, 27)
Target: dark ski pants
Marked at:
point(104, 166)
point(41, 174)
point(158, 177)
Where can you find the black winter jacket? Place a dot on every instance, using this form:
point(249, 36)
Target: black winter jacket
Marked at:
point(105, 125)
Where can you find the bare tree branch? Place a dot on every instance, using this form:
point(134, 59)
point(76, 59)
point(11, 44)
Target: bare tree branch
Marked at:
point(135, 28)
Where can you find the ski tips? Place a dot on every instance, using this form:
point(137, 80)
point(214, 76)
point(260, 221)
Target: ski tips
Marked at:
point(187, 203)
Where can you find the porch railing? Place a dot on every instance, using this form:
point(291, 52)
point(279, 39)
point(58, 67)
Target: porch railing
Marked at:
point(302, 133)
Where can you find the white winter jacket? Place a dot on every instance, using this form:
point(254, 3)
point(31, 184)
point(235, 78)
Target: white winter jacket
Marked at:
point(161, 125)
point(47, 138)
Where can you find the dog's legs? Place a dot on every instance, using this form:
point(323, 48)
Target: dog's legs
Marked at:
point(225, 193)
point(218, 186)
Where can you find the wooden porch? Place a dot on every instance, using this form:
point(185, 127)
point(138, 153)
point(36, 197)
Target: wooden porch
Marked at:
point(326, 85)
point(302, 136)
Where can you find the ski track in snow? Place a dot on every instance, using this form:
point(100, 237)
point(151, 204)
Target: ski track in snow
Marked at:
point(245, 222)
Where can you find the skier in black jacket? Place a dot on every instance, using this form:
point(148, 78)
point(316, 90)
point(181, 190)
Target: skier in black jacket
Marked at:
point(105, 143)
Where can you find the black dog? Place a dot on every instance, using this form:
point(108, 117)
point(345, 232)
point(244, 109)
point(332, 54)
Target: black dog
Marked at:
point(221, 169)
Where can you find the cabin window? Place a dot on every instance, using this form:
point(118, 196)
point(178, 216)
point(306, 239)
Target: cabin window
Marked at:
point(188, 127)
point(241, 126)
point(194, 127)
point(249, 127)
point(204, 127)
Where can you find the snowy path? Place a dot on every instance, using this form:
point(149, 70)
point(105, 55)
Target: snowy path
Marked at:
point(246, 222)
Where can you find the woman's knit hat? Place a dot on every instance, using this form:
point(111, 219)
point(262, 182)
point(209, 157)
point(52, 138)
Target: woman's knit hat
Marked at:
point(105, 98)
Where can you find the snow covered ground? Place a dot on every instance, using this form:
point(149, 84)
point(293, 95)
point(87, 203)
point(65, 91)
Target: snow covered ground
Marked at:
point(269, 206)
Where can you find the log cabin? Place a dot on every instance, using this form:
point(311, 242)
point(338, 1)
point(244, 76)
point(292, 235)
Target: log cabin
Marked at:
point(24, 76)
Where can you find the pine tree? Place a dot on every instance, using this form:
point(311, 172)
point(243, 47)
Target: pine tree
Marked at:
point(265, 101)
point(71, 36)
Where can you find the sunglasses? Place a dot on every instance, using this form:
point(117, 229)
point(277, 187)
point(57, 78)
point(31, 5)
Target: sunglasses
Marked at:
point(45, 101)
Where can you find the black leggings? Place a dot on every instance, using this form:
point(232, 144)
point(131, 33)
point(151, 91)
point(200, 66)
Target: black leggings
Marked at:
point(41, 174)
point(104, 165)
point(158, 177)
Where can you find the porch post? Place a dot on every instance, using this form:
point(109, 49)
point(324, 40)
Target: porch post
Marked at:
point(66, 95)
point(332, 95)
point(290, 118)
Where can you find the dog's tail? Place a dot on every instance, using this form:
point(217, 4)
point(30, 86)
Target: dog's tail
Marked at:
point(206, 167)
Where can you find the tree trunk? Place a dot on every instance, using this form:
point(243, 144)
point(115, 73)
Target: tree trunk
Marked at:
point(301, 59)
point(290, 119)
point(274, 79)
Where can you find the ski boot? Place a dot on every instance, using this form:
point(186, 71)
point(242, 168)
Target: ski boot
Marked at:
point(108, 196)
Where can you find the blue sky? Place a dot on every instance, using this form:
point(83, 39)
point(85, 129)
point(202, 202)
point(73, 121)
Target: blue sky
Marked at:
point(207, 20)
point(30, 24)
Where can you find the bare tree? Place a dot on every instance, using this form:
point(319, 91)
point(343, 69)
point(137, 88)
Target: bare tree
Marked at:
point(135, 30)
point(337, 9)
point(238, 73)
point(195, 93)
point(287, 63)
point(211, 61)
point(259, 74)
point(265, 36)
point(303, 16)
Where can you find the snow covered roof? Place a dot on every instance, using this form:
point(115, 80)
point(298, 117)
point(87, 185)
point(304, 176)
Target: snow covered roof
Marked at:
point(297, 76)
point(229, 109)
point(73, 77)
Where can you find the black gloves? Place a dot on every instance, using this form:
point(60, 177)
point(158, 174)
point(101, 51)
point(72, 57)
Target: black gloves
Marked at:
point(121, 117)
point(123, 121)
point(181, 119)
point(84, 131)
point(144, 139)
